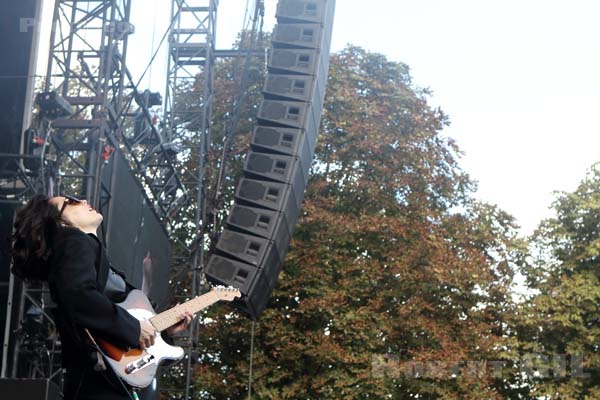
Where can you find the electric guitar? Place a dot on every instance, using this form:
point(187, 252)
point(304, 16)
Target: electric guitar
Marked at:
point(138, 367)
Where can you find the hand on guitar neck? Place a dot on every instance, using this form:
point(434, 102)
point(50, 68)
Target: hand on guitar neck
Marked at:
point(148, 332)
point(186, 319)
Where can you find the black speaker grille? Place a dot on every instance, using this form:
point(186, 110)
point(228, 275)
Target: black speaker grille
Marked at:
point(232, 242)
point(266, 136)
point(301, 10)
point(288, 33)
point(297, 60)
point(273, 110)
point(243, 217)
point(284, 59)
point(272, 195)
point(279, 84)
point(252, 190)
point(293, 8)
point(305, 35)
point(260, 163)
point(222, 269)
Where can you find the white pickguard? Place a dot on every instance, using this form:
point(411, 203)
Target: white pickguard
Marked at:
point(161, 350)
point(142, 375)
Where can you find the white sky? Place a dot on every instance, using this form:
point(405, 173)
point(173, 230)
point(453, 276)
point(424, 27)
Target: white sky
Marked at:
point(520, 80)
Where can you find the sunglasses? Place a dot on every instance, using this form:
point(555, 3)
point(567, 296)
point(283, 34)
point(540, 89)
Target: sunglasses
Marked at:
point(68, 201)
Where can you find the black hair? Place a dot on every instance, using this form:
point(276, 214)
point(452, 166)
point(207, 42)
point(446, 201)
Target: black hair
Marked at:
point(36, 226)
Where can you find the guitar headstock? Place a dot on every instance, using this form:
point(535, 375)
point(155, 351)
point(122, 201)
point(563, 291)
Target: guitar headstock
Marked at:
point(226, 293)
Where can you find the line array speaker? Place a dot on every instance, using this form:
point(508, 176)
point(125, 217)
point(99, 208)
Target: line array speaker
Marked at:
point(250, 251)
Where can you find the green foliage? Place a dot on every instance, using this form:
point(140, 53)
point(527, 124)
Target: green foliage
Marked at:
point(562, 317)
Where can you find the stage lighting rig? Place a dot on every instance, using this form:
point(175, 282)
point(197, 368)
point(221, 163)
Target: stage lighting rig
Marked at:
point(120, 28)
point(52, 105)
point(150, 99)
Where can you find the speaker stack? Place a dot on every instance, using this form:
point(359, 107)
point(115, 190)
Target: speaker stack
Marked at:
point(252, 247)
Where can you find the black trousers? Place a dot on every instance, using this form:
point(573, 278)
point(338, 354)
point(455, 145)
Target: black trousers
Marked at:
point(86, 384)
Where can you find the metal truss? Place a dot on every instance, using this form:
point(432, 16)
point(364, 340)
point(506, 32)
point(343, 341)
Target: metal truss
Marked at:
point(87, 67)
point(89, 107)
point(189, 95)
point(188, 117)
point(35, 341)
point(31, 334)
point(188, 109)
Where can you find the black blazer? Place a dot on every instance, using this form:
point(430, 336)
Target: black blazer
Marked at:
point(77, 277)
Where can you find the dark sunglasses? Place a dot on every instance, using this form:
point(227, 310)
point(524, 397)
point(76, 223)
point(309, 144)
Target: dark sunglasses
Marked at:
point(68, 201)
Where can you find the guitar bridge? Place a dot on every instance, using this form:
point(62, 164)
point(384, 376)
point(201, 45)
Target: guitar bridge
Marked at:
point(139, 364)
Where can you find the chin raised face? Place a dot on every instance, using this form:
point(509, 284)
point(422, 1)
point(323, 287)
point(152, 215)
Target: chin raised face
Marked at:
point(78, 214)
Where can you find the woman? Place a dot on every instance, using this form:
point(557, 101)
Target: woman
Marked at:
point(55, 241)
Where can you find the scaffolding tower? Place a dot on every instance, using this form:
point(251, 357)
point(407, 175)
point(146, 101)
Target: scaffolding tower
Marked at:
point(90, 107)
point(188, 109)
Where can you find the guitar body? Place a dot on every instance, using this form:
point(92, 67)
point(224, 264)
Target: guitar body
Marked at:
point(138, 367)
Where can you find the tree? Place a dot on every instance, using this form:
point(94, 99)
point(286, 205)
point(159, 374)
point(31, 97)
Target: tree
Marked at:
point(561, 319)
point(391, 256)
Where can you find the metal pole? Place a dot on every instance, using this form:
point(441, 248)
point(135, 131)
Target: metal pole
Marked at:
point(11, 286)
point(17, 344)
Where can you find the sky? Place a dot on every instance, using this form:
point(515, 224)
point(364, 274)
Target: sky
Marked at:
point(519, 80)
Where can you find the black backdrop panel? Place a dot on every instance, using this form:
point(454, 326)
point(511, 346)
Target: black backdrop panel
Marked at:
point(136, 241)
point(153, 258)
point(16, 37)
point(7, 211)
point(29, 389)
point(6, 218)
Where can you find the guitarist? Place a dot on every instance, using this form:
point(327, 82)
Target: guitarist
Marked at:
point(55, 241)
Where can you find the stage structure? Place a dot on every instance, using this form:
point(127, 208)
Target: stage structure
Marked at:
point(188, 110)
point(187, 117)
point(97, 135)
point(99, 107)
point(252, 247)
point(26, 326)
point(90, 113)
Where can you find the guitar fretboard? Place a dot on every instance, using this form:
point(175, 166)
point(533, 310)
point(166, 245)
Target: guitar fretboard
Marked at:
point(172, 316)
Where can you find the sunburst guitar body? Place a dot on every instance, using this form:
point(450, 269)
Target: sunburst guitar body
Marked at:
point(138, 367)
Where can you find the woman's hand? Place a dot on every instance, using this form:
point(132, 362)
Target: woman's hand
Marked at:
point(186, 318)
point(147, 334)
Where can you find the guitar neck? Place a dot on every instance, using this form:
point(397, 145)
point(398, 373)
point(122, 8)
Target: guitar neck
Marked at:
point(172, 316)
